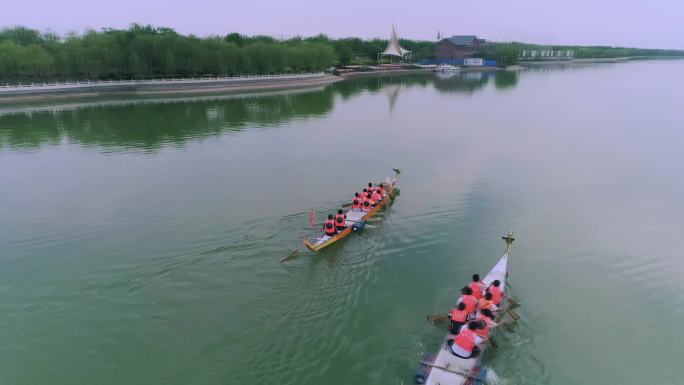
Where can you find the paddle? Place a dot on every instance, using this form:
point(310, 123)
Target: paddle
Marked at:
point(437, 318)
point(291, 255)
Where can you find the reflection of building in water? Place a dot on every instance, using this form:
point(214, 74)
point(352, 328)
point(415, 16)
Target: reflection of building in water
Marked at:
point(545, 54)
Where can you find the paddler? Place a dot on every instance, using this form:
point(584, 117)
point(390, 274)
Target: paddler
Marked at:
point(468, 299)
point(487, 302)
point(375, 196)
point(340, 220)
point(464, 345)
point(381, 189)
point(486, 319)
point(329, 226)
point(457, 317)
point(357, 202)
point(495, 289)
point(367, 202)
point(477, 286)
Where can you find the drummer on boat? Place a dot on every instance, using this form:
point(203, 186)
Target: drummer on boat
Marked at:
point(477, 286)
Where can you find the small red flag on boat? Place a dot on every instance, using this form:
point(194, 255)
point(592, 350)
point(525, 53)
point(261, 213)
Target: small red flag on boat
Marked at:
point(312, 219)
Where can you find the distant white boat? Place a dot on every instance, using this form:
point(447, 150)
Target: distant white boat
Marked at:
point(446, 68)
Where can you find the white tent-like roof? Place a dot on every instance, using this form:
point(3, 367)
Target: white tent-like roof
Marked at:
point(393, 47)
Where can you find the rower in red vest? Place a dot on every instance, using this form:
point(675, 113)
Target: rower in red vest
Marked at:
point(477, 286)
point(496, 292)
point(457, 317)
point(357, 202)
point(486, 318)
point(340, 220)
point(487, 302)
point(468, 299)
point(367, 202)
point(370, 187)
point(329, 226)
point(464, 345)
point(375, 196)
point(381, 189)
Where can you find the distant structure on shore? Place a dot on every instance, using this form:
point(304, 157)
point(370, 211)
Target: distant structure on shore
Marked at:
point(394, 49)
point(458, 47)
point(546, 54)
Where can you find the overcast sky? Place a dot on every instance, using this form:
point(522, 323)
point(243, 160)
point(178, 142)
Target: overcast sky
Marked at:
point(637, 23)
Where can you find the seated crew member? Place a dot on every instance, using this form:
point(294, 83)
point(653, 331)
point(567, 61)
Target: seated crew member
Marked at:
point(329, 226)
point(486, 318)
point(381, 189)
point(468, 299)
point(367, 203)
point(369, 196)
point(375, 196)
point(477, 286)
point(340, 220)
point(370, 187)
point(487, 302)
point(495, 289)
point(357, 202)
point(457, 318)
point(464, 345)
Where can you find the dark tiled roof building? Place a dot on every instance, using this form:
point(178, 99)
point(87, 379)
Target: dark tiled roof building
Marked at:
point(457, 47)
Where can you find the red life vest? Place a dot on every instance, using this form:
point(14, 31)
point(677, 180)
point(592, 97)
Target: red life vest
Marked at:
point(477, 289)
point(376, 197)
point(367, 204)
point(470, 303)
point(340, 219)
point(458, 315)
point(484, 304)
point(488, 326)
point(357, 202)
point(466, 340)
point(329, 226)
point(496, 294)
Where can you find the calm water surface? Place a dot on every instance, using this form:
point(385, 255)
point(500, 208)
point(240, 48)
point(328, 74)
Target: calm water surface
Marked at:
point(140, 239)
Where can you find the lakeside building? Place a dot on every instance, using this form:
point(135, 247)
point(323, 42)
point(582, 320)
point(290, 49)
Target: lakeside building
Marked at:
point(546, 54)
point(458, 47)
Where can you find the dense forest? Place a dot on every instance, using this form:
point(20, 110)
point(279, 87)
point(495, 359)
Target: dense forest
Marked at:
point(143, 51)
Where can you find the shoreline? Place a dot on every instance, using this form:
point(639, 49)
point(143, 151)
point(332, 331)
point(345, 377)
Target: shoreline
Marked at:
point(41, 92)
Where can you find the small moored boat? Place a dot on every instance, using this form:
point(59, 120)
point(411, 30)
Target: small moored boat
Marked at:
point(446, 68)
point(356, 219)
point(445, 368)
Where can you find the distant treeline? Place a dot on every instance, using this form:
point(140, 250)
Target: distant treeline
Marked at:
point(143, 51)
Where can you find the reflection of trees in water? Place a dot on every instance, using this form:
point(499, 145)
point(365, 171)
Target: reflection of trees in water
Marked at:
point(505, 79)
point(149, 124)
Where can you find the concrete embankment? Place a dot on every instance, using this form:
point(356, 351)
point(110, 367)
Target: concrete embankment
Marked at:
point(160, 87)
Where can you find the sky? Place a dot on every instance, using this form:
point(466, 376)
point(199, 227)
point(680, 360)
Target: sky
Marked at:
point(633, 23)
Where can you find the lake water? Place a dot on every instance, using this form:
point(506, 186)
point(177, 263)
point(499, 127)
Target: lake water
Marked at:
point(140, 238)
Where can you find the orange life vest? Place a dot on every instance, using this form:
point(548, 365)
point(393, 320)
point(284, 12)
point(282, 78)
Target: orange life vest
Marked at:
point(496, 294)
point(488, 326)
point(477, 289)
point(458, 315)
point(340, 219)
point(466, 340)
point(329, 226)
point(470, 303)
point(484, 304)
point(357, 202)
point(376, 197)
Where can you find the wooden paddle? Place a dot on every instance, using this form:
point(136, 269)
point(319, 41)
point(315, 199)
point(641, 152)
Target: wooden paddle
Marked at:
point(436, 318)
point(291, 255)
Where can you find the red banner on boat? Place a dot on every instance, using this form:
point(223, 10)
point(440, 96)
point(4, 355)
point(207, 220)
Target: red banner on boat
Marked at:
point(312, 219)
